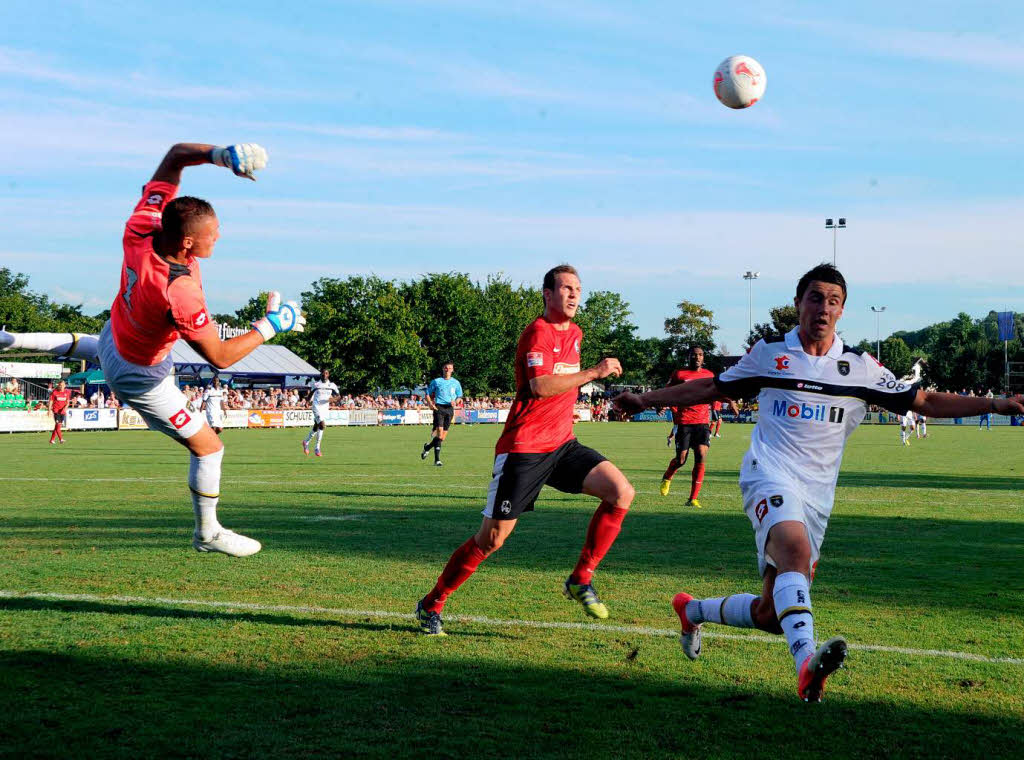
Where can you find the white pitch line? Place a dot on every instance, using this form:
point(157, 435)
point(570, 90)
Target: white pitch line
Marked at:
point(481, 620)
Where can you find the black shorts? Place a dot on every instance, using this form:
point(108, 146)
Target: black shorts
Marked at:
point(692, 436)
point(715, 415)
point(60, 418)
point(518, 478)
point(443, 416)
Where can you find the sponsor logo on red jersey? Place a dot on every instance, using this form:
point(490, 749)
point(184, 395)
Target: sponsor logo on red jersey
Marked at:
point(200, 318)
point(180, 419)
point(535, 359)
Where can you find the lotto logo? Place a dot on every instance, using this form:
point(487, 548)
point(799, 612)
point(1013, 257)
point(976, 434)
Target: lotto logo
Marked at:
point(761, 510)
point(180, 419)
point(535, 359)
point(200, 318)
point(155, 199)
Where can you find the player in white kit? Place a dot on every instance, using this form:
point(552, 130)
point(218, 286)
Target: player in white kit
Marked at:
point(813, 392)
point(320, 398)
point(213, 405)
point(907, 423)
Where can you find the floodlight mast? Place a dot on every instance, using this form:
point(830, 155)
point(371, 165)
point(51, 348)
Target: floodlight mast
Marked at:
point(750, 277)
point(840, 224)
point(878, 338)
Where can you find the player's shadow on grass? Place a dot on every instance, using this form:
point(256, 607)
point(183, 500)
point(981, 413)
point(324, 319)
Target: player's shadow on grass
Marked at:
point(27, 604)
point(930, 480)
point(412, 493)
point(429, 694)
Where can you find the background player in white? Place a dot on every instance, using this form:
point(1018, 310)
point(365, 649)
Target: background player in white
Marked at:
point(906, 426)
point(320, 399)
point(160, 299)
point(922, 426)
point(812, 392)
point(213, 405)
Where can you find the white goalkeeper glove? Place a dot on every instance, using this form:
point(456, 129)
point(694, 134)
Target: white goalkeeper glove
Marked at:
point(242, 159)
point(281, 317)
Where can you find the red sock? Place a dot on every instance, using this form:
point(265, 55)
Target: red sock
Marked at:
point(696, 480)
point(718, 426)
point(604, 527)
point(462, 564)
point(53, 435)
point(58, 432)
point(672, 467)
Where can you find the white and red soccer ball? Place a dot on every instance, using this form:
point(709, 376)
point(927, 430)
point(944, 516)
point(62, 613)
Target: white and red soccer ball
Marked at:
point(739, 81)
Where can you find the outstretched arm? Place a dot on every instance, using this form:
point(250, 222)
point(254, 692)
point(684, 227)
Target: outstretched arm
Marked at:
point(933, 404)
point(242, 159)
point(545, 386)
point(685, 394)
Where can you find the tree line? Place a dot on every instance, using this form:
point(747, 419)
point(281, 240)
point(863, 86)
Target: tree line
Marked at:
point(373, 333)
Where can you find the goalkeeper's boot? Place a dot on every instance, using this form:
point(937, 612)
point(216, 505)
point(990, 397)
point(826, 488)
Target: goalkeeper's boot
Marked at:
point(689, 640)
point(693, 503)
point(586, 594)
point(430, 622)
point(666, 486)
point(227, 542)
point(819, 666)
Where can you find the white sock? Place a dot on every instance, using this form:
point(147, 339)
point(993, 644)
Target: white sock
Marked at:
point(319, 437)
point(727, 610)
point(793, 607)
point(59, 344)
point(204, 482)
point(312, 432)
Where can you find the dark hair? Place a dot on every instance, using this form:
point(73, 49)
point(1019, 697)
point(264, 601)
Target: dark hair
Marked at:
point(694, 349)
point(446, 362)
point(822, 273)
point(181, 216)
point(549, 278)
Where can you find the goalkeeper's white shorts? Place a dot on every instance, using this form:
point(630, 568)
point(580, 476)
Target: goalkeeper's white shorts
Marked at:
point(157, 399)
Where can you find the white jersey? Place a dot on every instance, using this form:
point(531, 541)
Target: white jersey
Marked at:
point(214, 399)
point(322, 392)
point(908, 420)
point(808, 407)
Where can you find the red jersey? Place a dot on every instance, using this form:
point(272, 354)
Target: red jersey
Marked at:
point(59, 400)
point(717, 406)
point(540, 425)
point(158, 301)
point(699, 414)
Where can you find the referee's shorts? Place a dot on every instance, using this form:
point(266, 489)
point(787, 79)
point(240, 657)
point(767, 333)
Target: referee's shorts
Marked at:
point(443, 416)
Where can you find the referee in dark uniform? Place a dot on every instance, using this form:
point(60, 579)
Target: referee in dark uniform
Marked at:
point(441, 395)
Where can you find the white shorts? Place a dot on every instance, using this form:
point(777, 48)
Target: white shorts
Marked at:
point(157, 399)
point(214, 418)
point(320, 413)
point(768, 503)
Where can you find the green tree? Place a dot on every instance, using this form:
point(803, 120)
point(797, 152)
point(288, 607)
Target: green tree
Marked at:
point(896, 356)
point(608, 331)
point(21, 309)
point(783, 319)
point(509, 309)
point(363, 331)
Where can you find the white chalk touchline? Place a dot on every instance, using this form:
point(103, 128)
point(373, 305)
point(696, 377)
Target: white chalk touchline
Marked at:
point(384, 614)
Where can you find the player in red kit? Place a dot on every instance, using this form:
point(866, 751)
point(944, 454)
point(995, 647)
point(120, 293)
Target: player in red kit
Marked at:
point(716, 419)
point(161, 299)
point(537, 447)
point(692, 431)
point(60, 397)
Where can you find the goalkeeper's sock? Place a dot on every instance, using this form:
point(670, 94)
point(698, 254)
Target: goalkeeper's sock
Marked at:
point(204, 482)
point(319, 437)
point(58, 344)
point(732, 610)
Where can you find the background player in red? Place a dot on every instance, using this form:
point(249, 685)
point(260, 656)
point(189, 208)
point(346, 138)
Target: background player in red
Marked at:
point(161, 299)
point(691, 431)
point(716, 419)
point(537, 447)
point(60, 397)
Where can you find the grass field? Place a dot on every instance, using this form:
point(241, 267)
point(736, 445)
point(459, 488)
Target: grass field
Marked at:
point(118, 640)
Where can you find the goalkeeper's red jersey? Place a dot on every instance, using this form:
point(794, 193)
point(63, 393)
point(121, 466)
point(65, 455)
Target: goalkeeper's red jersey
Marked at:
point(158, 301)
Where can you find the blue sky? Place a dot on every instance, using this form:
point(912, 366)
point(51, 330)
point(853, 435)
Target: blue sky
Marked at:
point(478, 136)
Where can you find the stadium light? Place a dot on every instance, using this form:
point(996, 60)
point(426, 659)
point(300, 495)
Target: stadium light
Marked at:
point(835, 227)
point(750, 277)
point(878, 338)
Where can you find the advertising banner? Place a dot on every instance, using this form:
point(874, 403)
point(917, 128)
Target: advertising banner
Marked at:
point(266, 418)
point(362, 416)
point(464, 416)
point(298, 417)
point(426, 417)
point(23, 370)
point(487, 415)
point(21, 421)
point(652, 416)
point(92, 419)
point(412, 417)
point(129, 419)
point(503, 414)
point(582, 415)
point(236, 418)
point(393, 416)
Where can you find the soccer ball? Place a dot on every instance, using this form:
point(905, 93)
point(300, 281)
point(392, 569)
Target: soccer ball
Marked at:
point(739, 81)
